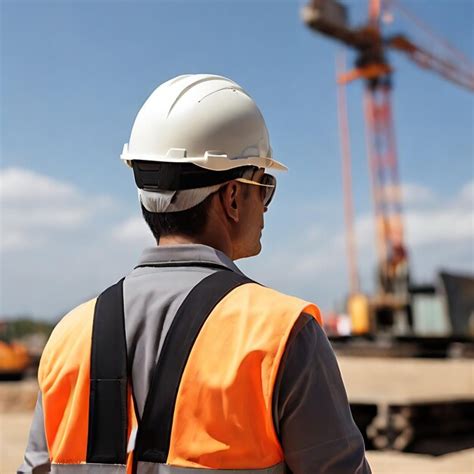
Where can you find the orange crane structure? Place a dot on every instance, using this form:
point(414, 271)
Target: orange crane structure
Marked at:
point(330, 18)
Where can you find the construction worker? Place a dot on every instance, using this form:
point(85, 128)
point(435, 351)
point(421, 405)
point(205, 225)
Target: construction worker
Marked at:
point(186, 365)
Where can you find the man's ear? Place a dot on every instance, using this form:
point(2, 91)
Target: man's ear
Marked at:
point(229, 196)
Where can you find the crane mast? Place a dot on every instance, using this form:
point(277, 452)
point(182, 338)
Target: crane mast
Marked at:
point(393, 277)
point(386, 191)
point(371, 65)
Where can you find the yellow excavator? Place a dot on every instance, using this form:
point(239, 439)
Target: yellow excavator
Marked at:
point(14, 360)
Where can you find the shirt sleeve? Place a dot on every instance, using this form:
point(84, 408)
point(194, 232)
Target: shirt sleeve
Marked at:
point(36, 458)
point(310, 407)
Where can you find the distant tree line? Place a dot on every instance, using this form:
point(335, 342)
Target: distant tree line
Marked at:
point(19, 328)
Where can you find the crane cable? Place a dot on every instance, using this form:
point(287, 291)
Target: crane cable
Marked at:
point(427, 30)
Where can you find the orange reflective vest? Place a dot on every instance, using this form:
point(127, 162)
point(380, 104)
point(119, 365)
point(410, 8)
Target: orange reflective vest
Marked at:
point(210, 400)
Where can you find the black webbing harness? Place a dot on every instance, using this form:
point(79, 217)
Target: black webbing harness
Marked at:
point(109, 374)
point(154, 176)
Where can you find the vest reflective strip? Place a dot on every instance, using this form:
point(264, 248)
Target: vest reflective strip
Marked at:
point(153, 468)
point(88, 468)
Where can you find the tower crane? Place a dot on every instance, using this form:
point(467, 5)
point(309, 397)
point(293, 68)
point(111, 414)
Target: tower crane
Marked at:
point(330, 18)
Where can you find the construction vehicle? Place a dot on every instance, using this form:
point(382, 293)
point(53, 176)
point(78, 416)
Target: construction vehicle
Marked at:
point(15, 358)
point(14, 361)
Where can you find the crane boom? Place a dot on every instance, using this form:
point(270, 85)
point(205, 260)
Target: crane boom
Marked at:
point(448, 68)
point(330, 18)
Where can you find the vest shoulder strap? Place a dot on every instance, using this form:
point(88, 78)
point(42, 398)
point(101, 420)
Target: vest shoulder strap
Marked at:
point(108, 399)
point(154, 431)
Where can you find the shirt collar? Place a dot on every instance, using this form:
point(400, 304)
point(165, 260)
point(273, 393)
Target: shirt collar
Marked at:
point(186, 254)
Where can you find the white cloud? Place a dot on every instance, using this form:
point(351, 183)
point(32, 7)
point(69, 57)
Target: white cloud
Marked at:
point(440, 225)
point(466, 195)
point(12, 239)
point(133, 231)
point(21, 185)
point(34, 207)
point(444, 220)
point(429, 218)
point(416, 194)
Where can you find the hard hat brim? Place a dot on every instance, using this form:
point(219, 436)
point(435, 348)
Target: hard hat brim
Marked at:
point(210, 161)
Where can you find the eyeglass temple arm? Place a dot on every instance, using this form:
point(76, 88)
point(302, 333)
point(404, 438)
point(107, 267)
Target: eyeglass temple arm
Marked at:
point(248, 181)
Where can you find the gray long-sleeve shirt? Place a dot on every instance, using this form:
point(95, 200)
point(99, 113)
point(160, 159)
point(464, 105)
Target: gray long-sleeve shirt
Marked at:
point(310, 408)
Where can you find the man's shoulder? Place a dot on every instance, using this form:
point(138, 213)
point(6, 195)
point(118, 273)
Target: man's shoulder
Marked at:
point(279, 302)
point(77, 318)
point(71, 331)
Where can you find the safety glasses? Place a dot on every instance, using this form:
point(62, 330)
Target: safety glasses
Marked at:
point(267, 187)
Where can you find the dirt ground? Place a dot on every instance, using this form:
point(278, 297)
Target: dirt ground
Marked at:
point(17, 400)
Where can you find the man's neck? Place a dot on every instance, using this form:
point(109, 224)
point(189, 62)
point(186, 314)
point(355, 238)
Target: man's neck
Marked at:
point(179, 239)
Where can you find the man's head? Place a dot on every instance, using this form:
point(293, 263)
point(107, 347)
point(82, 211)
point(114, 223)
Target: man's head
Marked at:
point(229, 219)
point(199, 148)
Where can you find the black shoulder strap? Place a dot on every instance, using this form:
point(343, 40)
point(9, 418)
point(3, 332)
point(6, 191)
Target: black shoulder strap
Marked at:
point(108, 410)
point(154, 431)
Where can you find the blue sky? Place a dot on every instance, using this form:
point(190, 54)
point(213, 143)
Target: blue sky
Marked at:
point(74, 74)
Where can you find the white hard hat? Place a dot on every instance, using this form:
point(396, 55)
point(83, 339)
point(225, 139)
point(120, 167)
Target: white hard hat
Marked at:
point(203, 119)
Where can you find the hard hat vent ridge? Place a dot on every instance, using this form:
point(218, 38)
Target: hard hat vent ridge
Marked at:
point(190, 86)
